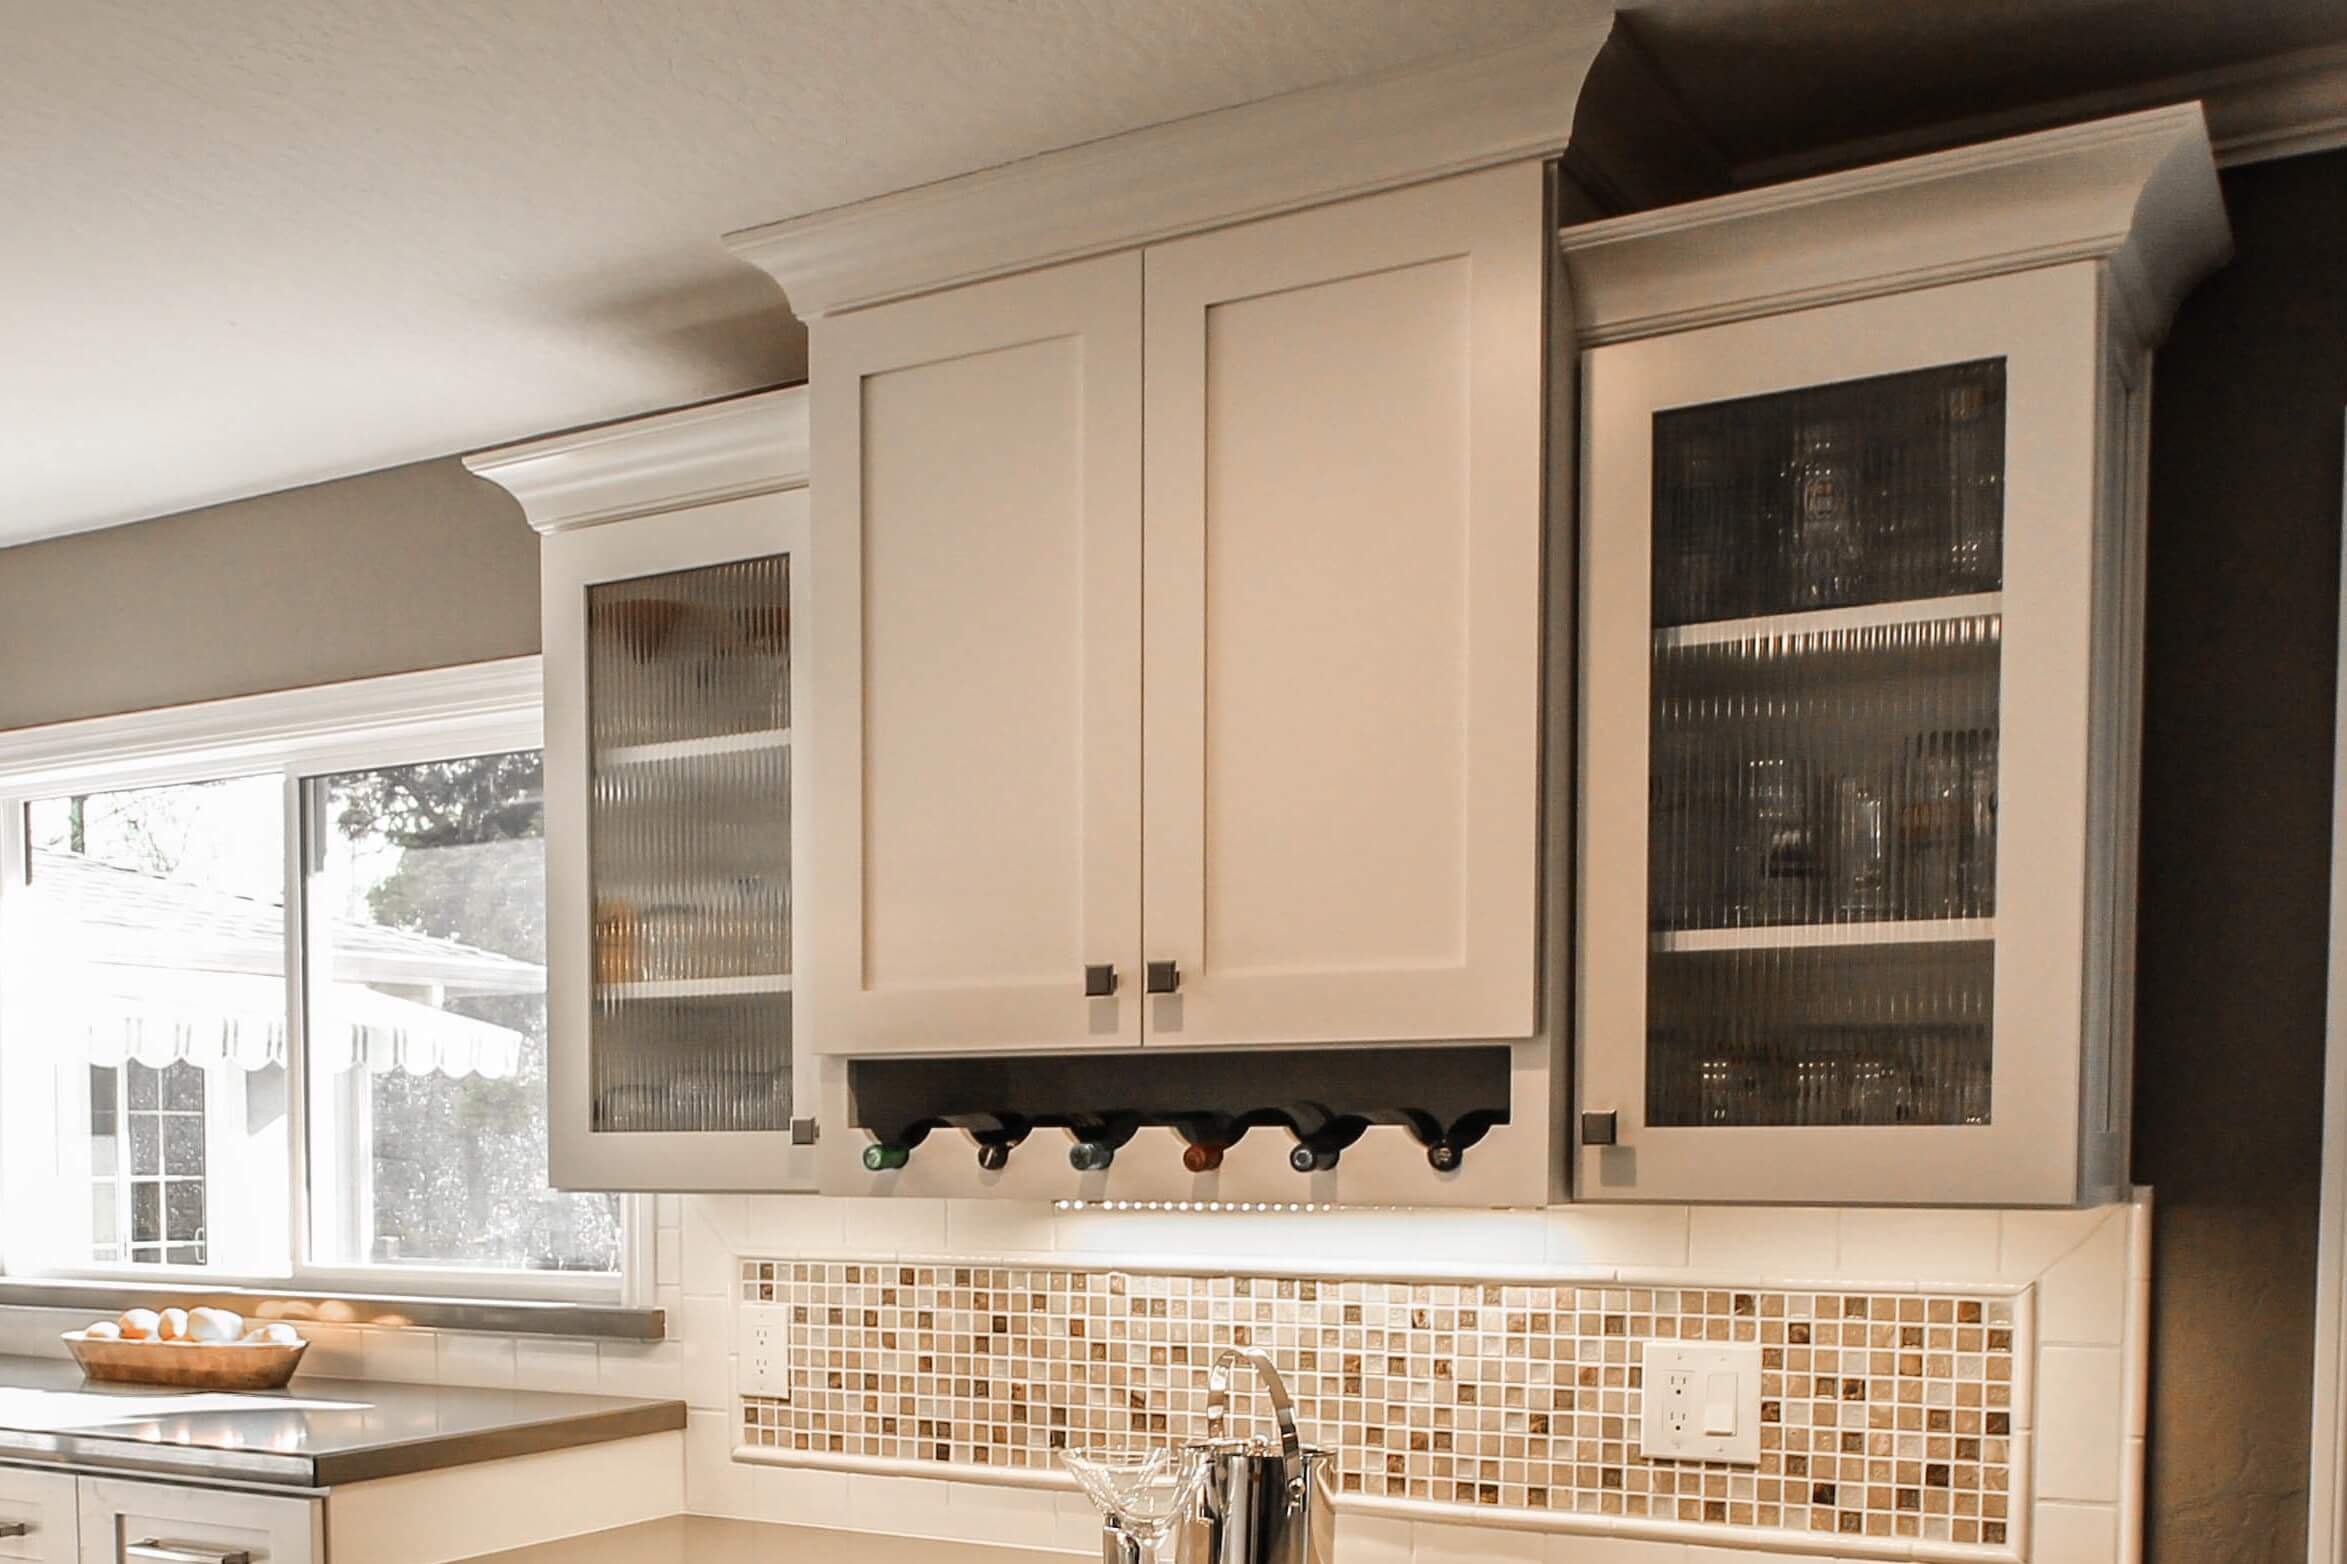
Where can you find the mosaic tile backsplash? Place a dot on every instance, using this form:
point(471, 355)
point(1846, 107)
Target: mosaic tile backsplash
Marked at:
point(1882, 1414)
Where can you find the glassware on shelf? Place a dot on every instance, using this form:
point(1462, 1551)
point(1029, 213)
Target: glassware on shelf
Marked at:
point(1831, 1035)
point(1141, 1494)
point(1860, 854)
point(1887, 489)
point(1948, 830)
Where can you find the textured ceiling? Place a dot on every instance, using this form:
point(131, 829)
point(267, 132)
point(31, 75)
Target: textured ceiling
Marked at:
point(245, 244)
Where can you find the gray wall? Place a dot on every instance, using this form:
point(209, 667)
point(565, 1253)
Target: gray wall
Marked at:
point(412, 567)
point(2242, 632)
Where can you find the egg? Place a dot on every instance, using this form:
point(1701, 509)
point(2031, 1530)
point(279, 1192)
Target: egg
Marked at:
point(214, 1325)
point(102, 1330)
point(173, 1325)
point(274, 1334)
point(139, 1324)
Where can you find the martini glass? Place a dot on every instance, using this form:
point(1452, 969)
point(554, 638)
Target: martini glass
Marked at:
point(1140, 1492)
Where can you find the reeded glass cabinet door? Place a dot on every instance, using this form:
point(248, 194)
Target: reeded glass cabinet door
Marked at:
point(1826, 588)
point(676, 747)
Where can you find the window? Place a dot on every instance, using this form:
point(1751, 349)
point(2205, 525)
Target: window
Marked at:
point(196, 1081)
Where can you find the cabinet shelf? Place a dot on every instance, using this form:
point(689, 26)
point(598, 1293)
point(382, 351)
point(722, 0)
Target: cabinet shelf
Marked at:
point(1826, 621)
point(693, 749)
point(696, 988)
point(1809, 936)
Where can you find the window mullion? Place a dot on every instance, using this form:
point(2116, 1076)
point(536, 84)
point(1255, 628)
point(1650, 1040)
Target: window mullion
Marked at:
point(297, 948)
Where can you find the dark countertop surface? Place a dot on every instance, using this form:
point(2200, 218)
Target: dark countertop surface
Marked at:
point(318, 1433)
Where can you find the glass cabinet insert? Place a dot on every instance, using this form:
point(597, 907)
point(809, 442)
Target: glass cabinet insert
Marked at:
point(688, 849)
point(1822, 788)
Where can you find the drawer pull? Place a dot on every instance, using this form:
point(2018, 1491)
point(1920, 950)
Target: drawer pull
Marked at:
point(153, 1551)
point(16, 1528)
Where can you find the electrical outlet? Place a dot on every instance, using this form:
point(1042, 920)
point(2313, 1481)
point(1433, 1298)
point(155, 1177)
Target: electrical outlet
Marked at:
point(762, 1350)
point(1701, 1402)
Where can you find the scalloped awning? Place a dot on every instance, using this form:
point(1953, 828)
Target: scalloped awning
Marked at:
point(160, 1016)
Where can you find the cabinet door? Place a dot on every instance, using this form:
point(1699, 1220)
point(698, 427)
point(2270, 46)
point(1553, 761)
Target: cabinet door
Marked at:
point(159, 1523)
point(670, 752)
point(1343, 619)
point(976, 646)
point(38, 1519)
point(1840, 642)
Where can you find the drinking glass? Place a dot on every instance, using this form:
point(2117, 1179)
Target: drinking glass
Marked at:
point(1143, 1491)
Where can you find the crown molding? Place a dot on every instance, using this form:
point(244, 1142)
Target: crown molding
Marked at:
point(692, 456)
point(1320, 144)
point(2138, 192)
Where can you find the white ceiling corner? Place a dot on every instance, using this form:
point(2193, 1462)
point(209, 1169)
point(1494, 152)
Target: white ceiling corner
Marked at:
point(255, 246)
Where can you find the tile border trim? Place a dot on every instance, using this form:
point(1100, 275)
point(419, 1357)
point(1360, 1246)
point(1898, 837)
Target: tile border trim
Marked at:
point(1534, 1273)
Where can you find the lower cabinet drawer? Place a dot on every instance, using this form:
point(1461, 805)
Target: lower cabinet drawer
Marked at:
point(37, 1517)
point(156, 1523)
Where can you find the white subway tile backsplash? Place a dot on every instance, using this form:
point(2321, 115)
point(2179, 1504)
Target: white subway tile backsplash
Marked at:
point(632, 1368)
point(334, 1352)
point(1372, 1539)
point(1630, 1236)
point(799, 1497)
point(1012, 1517)
point(473, 1358)
point(900, 1506)
point(1917, 1246)
point(1438, 1544)
point(2082, 1297)
point(668, 1257)
point(1621, 1550)
point(706, 1348)
point(403, 1355)
point(1798, 1243)
point(999, 1227)
point(556, 1363)
point(2031, 1241)
point(2078, 1418)
point(893, 1227)
point(715, 1483)
point(705, 1265)
point(2075, 1534)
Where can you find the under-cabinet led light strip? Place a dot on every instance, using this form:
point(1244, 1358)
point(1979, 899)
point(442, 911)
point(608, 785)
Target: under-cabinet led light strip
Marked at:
point(1210, 1205)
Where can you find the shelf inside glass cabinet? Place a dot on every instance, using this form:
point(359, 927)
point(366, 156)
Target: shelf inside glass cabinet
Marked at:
point(689, 751)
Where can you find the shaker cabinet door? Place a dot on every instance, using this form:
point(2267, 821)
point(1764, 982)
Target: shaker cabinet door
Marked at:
point(126, 1522)
point(976, 664)
point(1343, 611)
point(1840, 651)
point(38, 1517)
point(670, 758)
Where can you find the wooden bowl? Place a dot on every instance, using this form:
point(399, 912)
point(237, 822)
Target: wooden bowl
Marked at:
point(228, 1365)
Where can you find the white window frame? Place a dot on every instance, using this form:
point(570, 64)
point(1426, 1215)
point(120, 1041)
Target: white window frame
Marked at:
point(363, 724)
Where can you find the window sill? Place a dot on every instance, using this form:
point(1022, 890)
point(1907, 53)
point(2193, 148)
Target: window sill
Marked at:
point(505, 1316)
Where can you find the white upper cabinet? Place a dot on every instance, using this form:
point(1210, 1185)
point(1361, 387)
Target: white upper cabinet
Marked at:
point(1343, 619)
point(1859, 648)
point(1252, 739)
point(977, 640)
point(674, 575)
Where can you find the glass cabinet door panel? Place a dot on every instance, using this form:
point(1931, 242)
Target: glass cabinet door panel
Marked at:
point(1880, 490)
point(1829, 777)
point(1822, 784)
point(689, 812)
point(1820, 1035)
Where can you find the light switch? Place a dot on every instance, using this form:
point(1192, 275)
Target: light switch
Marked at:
point(1700, 1402)
point(1719, 1404)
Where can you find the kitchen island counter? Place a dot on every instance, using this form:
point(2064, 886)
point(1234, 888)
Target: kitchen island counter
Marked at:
point(318, 1433)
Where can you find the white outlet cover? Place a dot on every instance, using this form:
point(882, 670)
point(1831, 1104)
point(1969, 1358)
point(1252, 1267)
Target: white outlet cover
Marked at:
point(1700, 1401)
point(762, 1350)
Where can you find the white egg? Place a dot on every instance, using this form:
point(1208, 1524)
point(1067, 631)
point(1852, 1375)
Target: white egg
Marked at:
point(102, 1330)
point(173, 1325)
point(214, 1325)
point(139, 1324)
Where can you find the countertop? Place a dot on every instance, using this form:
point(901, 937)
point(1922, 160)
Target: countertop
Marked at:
point(706, 1539)
point(320, 1433)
